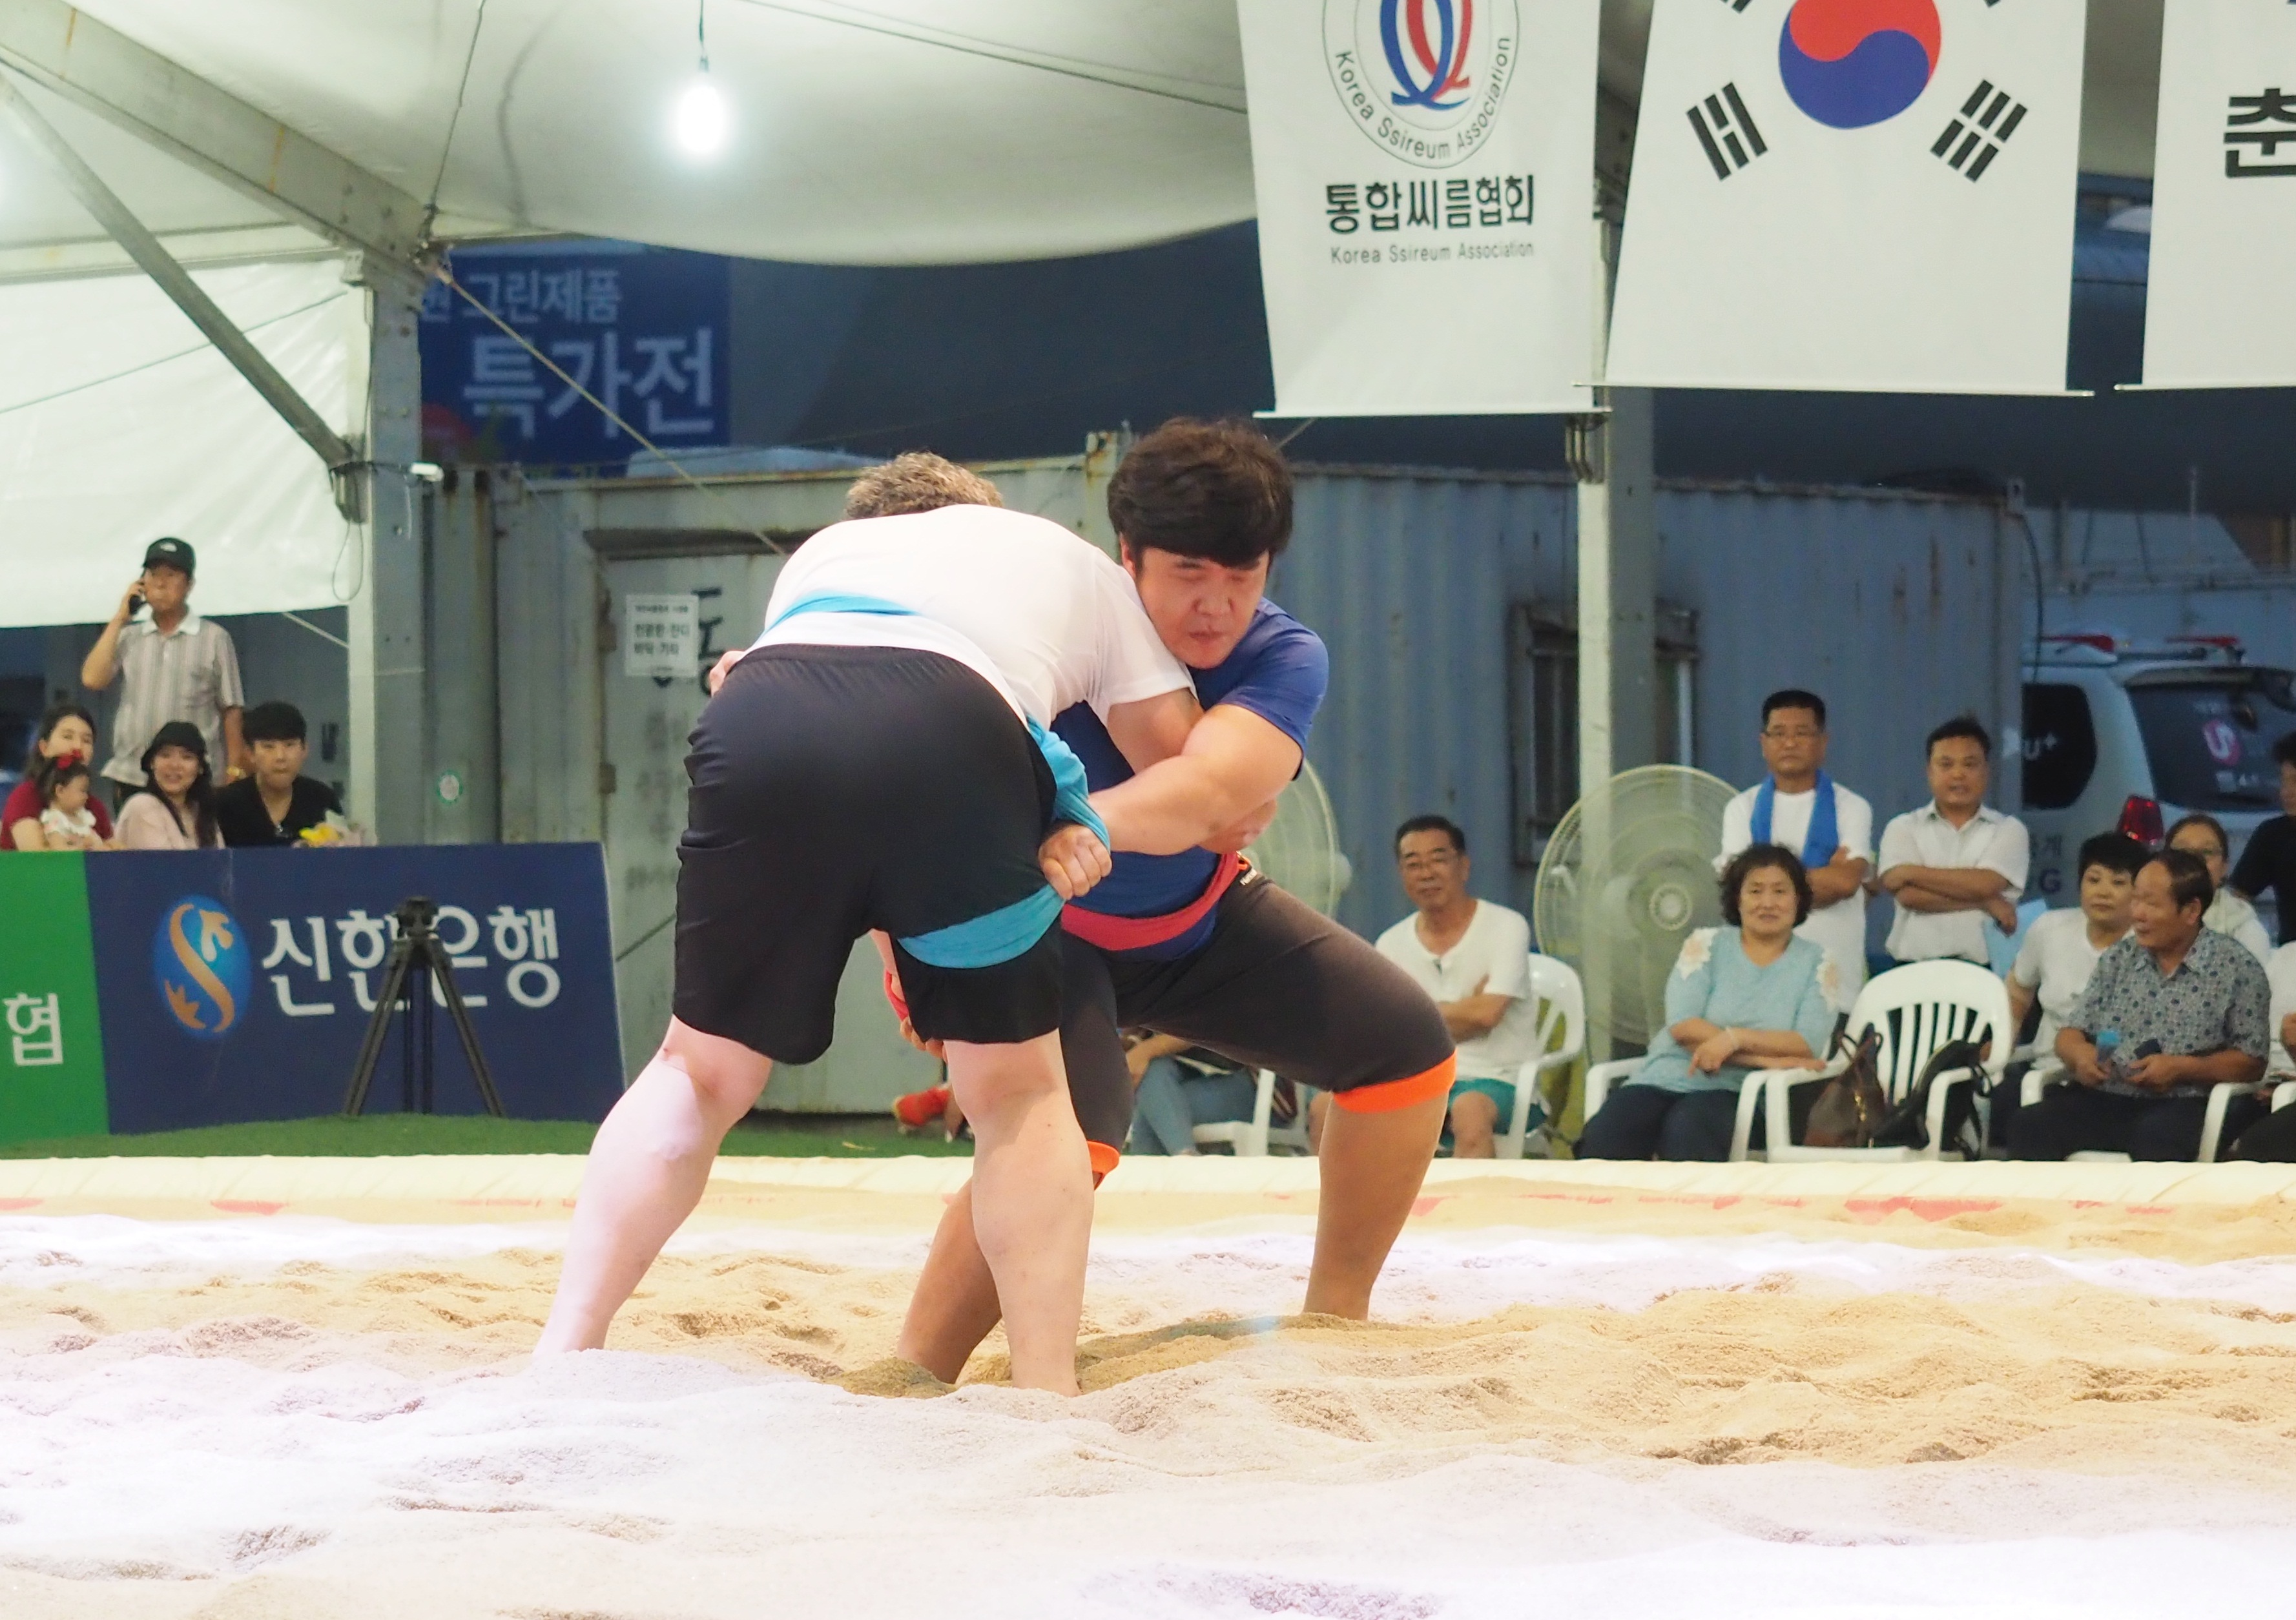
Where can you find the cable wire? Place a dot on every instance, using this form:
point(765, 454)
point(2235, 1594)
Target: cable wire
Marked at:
point(181, 354)
point(431, 208)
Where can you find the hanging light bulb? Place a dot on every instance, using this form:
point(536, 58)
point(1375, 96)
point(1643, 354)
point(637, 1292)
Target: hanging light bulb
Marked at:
point(701, 121)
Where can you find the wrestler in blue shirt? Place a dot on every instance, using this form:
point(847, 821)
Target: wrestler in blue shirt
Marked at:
point(1279, 671)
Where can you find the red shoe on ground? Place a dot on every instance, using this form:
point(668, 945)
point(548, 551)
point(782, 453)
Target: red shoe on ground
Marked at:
point(918, 1109)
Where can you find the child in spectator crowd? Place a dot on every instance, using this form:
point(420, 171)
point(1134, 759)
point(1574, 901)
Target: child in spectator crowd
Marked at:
point(67, 822)
point(66, 732)
point(277, 804)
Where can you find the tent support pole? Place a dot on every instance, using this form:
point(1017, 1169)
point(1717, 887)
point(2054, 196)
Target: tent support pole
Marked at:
point(390, 628)
point(154, 260)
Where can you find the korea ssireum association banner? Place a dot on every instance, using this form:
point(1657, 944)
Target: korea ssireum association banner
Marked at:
point(1853, 194)
point(1425, 180)
point(2220, 311)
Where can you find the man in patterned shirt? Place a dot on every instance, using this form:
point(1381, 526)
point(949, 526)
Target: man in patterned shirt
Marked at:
point(2173, 1009)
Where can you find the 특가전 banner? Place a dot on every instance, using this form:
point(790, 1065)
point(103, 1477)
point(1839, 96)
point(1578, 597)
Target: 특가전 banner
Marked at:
point(2218, 312)
point(1425, 171)
point(1853, 194)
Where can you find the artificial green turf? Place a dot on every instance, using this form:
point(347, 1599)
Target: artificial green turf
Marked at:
point(376, 1135)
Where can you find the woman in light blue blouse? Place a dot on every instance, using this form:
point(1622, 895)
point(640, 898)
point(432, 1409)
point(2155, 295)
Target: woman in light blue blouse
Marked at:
point(1743, 998)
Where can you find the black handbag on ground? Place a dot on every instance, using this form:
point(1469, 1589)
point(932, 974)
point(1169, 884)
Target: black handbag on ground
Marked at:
point(1909, 1124)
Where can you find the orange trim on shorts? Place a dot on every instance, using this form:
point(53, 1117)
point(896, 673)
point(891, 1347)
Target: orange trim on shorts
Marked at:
point(1104, 1158)
point(1389, 1095)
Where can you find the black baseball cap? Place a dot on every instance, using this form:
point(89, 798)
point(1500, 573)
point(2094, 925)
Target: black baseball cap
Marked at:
point(168, 552)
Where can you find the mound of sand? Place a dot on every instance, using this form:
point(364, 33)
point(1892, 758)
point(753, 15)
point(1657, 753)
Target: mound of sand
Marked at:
point(1835, 1409)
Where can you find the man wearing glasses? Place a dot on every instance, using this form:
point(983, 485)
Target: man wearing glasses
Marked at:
point(1832, 829)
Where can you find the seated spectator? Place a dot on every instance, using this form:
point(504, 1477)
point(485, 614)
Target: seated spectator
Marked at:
point(1179, 1086)
point(67, 731)
point(2061, 953)
point(66, 822)
point(176, 807)
point(2173, 1009)
point(1956, 862)
point(2229, 913)
point(1751, 996)
point(2267, 860)
point(277, 804)
point(2273, 1139)
point(1803, 808)
point(1474, 957)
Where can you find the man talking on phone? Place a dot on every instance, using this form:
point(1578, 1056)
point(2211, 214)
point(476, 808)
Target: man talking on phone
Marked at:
point(176, 666)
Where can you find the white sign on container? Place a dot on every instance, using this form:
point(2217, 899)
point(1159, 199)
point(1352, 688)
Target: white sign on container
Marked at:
point(1425, 172)
point(662, 634)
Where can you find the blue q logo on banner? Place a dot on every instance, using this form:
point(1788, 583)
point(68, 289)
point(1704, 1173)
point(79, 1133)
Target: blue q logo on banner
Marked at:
point(1423, 79)
point(200, 964)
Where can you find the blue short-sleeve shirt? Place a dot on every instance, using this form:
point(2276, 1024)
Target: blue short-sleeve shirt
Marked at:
point(1280, 672)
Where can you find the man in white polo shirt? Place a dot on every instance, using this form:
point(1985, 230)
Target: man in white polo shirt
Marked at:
point(1474, 959)
point(1828, 826)
point(1956, 864)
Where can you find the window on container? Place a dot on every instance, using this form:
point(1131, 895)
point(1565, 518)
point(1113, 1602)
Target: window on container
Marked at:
point(2060, 746)
point(1543, 724)
point(2209, 743)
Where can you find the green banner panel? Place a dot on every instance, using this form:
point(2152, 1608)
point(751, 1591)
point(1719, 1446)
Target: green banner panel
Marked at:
point(51, 1039)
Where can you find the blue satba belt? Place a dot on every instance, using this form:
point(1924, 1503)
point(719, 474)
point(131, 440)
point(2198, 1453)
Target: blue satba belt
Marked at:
point(1010, 931)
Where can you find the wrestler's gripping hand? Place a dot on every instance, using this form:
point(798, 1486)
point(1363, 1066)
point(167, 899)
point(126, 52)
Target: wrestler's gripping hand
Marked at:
point(1073, 859)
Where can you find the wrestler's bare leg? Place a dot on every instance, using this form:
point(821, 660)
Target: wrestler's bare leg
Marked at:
point(1032, 1211)
point(648, 1167)
point(1371, 1166)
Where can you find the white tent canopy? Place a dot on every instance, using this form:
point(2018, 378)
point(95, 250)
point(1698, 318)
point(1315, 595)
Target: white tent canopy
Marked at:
point(252, 133)
point(890, 132)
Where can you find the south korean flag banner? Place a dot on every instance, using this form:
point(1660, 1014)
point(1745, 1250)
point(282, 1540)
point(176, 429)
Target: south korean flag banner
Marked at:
point(1425, 180)
point(2220, 310)
point(1861, 195)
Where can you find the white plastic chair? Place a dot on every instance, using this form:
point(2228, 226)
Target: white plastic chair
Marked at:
point(1251, 1138)
point(1917, 1008)
point(1602, 1076)
point(2049, 1072)
point(1562, 1037)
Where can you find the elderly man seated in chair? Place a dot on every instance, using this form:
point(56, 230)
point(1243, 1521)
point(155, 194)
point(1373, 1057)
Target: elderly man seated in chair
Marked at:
point(2172, 1011)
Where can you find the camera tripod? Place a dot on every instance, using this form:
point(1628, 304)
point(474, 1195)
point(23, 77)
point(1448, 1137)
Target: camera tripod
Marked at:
point(415, 958)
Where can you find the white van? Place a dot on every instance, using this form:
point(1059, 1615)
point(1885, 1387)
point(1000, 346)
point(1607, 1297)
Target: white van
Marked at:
point(2119, 734)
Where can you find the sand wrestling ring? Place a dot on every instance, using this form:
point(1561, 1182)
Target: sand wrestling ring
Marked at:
point(298, 1388)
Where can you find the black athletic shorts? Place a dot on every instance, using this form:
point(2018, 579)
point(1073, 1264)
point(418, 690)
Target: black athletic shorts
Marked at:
point(837, 789)
point(1277, 985)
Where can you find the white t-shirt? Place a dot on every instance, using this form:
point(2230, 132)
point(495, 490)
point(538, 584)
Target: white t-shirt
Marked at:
point(2229, 913)
point(2281, 971)
point(1495, 953)
point(2055, 962)
point(1041, 615)
point(1923, 838)
point(1839, 927)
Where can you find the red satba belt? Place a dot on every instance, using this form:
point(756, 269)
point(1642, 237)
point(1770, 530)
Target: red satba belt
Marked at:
point(1135, 933)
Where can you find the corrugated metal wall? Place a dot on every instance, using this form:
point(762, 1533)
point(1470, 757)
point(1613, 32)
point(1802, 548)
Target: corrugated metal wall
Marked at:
point(1900, 610)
